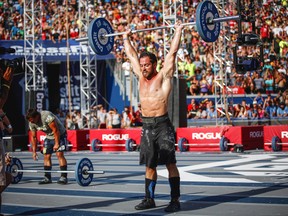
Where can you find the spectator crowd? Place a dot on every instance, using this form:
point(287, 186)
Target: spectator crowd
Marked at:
point(260, 108)
point(196, 62)
point(99, 118)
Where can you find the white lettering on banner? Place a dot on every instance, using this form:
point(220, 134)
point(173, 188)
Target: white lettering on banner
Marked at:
point(187, 176)
point(256, 134)
point(42, 137)
point(202, 136)
point(53, 51)
point(39, 100)
point(284, 134)
point(115, 137)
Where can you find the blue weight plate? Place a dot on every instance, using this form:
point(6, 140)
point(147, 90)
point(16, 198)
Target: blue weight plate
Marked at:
point(83, 179)
point(206, 11)
point(15, 164)
point(275, 144)
point(100, 44)
point(182, 145)
point(129, 145)
point(223, 144)
point(95, 146)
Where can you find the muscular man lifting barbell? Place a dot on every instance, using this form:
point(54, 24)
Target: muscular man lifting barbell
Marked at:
point(158, 134)
point(56, 138)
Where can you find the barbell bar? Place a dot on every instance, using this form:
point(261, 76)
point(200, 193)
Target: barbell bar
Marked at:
point(83, 171)
point(96, 145)
point(276, 144)
point(101, 34)
point(213, 21)
point(183, 144)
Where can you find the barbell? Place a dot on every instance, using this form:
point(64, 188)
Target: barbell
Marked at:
point(101, 34)
point(183, 144)
point(61, 148)
point(96, 145)
point(83, 171)
point(276, 144)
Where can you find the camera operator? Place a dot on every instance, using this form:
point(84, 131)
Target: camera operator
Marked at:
point(6, 76)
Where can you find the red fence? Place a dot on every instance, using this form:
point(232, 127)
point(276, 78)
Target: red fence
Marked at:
point(225, 138)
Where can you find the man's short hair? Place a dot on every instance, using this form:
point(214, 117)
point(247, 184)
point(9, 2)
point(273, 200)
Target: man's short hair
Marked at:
point(152, 56)
point(32, 113)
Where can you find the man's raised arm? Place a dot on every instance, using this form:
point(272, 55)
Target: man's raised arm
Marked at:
point(171, 55)
point(131, 53)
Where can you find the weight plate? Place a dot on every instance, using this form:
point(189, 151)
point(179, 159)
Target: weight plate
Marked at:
point(223, 144)
point(274, 143)
point(95, 146)
point(82, 178)
point(100, 44)
point(206, 11)
point(129, 144)
point(182, 144)
point(15, 164)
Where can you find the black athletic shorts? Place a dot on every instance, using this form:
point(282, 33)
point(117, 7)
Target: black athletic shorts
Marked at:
point(157, 145)
point(49, 144)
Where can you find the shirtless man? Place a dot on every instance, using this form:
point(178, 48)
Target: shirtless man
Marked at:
point(158, 134)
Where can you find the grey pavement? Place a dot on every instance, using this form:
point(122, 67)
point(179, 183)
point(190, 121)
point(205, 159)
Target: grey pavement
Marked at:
point(250, 183)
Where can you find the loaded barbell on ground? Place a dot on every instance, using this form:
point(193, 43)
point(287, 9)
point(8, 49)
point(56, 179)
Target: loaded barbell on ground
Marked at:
point(61, 148)
point(96, 145)
point(183, 144)
point(276, 144)
point(101, 34)
point(83, 171)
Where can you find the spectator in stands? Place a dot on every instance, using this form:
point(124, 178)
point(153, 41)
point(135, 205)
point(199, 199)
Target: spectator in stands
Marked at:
point(259, 98)
point(94, 122)
point(192, 111)
point(282, 110)
point(269, 108)
point(212, 113)
point(190, 66)
point(69, 123)
point(116, 119)
point(261, 112)
point(192, 104)
point(248, 85)
point(269, 84)
point(109, 117)
point(244, 104)
point(280, 81)
point(242, 113)
point(136, 119)
point(258, 83)
point(236, 112)
point(101, 116)
point(194, 86)
point(126, 117)
point(204, 86)
point(253, 111)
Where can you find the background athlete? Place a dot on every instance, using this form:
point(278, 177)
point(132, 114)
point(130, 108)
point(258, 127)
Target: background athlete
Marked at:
point(55, 131)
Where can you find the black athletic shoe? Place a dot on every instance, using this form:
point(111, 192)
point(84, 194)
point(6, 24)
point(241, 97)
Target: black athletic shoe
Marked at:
point(146, 203)
point(45, 181)
point(62, 180)
point(173, 206)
